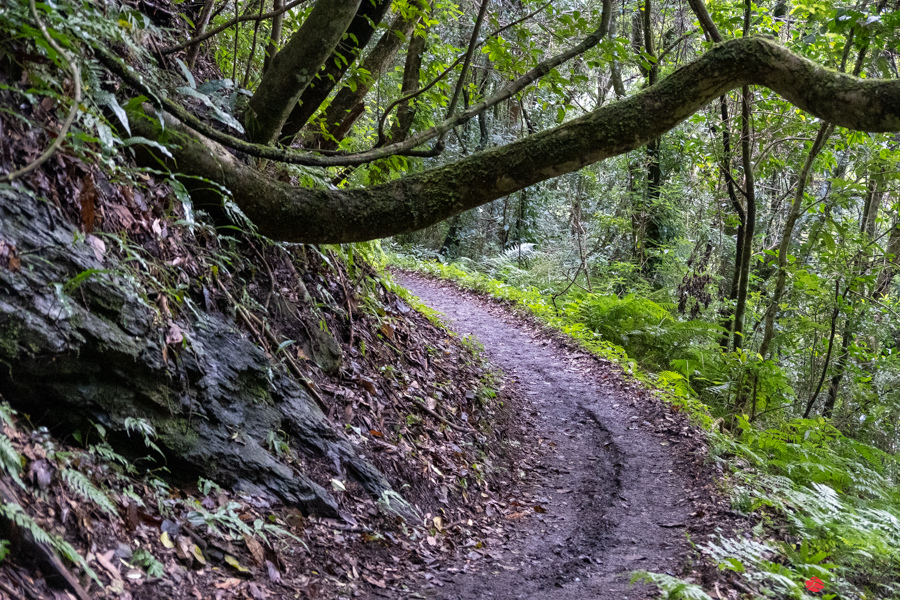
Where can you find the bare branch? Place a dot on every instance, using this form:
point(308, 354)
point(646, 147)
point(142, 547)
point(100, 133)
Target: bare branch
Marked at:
point(229, 24)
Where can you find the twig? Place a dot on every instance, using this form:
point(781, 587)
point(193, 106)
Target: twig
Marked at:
point(70, 118)
point(249, 318)
point(874, 301)
point(231, 23)
point(11, 591)
point(450, 424)
point(450, 68)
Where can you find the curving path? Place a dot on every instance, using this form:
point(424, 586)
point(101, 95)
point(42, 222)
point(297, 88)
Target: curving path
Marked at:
point(614, 494)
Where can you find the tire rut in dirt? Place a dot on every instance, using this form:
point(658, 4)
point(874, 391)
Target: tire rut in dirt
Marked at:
point(609, 490)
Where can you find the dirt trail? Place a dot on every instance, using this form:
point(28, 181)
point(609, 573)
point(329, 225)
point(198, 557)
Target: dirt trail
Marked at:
point(613, 492)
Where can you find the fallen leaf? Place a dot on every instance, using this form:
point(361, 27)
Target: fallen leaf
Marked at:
point(166, 540)
point(379, 583)
point(197, 553)
point(258, 593)
point(256, 550)
point(273, 572)
point(233, 562)
point(228, 583)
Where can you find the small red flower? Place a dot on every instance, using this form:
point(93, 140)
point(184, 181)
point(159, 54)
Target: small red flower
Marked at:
point(815, 585)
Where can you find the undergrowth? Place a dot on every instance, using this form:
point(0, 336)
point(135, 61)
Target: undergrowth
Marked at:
point(826, 505)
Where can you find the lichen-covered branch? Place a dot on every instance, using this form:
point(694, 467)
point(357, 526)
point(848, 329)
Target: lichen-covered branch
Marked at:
point(332, 216)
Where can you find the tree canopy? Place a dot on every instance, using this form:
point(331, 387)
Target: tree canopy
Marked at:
point(322, 51)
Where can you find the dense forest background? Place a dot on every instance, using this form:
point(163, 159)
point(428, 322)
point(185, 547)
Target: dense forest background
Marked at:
point(743, 263)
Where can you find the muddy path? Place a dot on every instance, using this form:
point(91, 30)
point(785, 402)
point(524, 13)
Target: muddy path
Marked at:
point(615, 495)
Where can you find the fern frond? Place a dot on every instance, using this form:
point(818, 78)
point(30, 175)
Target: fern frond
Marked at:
point(79, 484)
point(12, 462)
point(6, 414)
point(672, 588)
point(20, 518)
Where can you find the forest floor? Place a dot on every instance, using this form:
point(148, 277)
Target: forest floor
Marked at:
point(617, 482)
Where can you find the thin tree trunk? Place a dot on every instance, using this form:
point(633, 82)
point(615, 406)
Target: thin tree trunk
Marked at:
point(750, 226)
point(202, 22)
point(412, 70)
point(451, 241)
point(347, 106)
point(799, 198)
point(615, 69)
point(891, 261)
point(274, 36)
point(262, 5)
point(834, 318)
point(726, 169)
point(839, 368)
point(237, 32)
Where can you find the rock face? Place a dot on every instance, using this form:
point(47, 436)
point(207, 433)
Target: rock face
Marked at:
point(81, 343)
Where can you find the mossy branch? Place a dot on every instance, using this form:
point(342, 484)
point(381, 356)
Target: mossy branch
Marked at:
point(295, 214)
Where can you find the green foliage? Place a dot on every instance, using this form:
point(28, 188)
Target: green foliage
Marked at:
point(226, 523)
point(672, 588)
point(79, 484)
point(10, 460)
point(837, 495)
point(17, 515)
point(145, 560)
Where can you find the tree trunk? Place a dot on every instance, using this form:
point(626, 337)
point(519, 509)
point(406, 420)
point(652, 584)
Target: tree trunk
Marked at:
point(726, 168)
point(347, 106)
point(450, 247)
point(295, 67)
point(750, 226)
point(799, 198)
point(202, 22)
point(891, 261)
point(360, 31)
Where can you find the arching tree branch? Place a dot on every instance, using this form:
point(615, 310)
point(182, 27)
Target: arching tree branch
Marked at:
point(416, 201)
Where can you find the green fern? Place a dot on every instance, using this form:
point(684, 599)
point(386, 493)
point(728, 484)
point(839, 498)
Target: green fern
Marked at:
point(20, 518)
point(6, 415)
point(12, 462)
point(144, 559)
point(672, 588)
point(79, 484)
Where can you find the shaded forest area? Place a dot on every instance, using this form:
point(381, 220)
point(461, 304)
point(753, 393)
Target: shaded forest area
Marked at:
point(704, 194)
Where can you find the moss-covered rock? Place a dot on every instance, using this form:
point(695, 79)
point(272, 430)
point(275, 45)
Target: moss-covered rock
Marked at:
point(80, 344)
